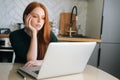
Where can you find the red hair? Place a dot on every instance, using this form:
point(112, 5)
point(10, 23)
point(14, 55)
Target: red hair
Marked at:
point(44, 34)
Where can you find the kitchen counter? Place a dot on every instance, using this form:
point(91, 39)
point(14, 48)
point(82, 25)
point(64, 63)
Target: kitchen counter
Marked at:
point(4, 35)
point(60, 38)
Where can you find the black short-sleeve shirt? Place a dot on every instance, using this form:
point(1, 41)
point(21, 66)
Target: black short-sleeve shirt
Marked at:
point(20, 42)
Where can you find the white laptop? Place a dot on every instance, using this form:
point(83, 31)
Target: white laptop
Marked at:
point(63, 58)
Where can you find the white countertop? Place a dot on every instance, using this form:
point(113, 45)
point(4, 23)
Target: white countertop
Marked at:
point(8, 72)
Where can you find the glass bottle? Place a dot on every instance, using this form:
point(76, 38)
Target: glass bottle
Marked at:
point(79, 29)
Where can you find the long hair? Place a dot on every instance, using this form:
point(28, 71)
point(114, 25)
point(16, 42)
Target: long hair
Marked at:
point(43, 35)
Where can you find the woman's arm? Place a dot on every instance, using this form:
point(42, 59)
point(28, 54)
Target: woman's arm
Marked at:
point(32, 32)
point(32, 52)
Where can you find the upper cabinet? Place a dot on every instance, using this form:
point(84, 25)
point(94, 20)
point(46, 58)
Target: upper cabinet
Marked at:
point(94, 18)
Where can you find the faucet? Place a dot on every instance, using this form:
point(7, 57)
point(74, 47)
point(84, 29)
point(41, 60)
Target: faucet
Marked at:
point(71, 20)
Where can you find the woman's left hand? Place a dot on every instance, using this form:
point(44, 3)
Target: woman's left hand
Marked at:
point(33, 63)
point(28, 26)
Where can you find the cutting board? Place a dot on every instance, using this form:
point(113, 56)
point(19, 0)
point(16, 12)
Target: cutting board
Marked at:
point(65, 23)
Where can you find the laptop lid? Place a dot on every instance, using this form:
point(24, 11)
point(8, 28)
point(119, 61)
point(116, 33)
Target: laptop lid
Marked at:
point(64, 58)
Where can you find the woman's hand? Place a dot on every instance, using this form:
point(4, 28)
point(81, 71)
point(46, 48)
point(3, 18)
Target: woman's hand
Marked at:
point(29, 28)
point(33, 63)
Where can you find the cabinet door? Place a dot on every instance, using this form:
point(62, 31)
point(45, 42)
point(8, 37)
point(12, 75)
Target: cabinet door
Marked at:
point(6, 56)
point(110, 59)
point(94, 18)
point(94, 57)
point(111, 21)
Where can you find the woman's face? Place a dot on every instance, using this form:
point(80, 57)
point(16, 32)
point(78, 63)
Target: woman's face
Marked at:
point(38, 18)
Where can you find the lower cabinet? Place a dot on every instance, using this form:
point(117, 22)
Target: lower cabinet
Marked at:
point(6, 56)
point(110, 59)
point(94, 59)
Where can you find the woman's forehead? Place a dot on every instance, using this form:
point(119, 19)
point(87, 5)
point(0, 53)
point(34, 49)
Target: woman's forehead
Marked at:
point(38, 11)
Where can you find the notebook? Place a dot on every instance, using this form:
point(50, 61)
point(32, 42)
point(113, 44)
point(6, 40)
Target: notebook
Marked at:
point(62, 58)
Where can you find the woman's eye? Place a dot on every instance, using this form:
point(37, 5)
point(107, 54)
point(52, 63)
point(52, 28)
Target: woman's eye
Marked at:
point(43, 18)
point(35, 16)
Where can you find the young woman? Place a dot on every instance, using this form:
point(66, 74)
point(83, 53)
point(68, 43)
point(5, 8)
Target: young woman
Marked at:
point(31, 42)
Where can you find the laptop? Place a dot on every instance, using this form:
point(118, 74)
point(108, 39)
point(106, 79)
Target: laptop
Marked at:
point(62, 58)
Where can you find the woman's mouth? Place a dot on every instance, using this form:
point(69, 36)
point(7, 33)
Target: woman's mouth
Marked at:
point(38, 26)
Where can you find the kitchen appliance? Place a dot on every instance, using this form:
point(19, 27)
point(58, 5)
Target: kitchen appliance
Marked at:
point(110, 37)
point(20, 25)
point(4, 42)
point(4, 31)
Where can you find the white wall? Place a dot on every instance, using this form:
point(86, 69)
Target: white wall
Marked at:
point(11, 11)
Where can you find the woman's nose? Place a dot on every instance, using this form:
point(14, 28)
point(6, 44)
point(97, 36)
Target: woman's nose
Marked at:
point(39, 19)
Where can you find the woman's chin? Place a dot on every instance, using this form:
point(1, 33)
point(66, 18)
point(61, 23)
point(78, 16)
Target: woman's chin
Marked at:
point(38, 29)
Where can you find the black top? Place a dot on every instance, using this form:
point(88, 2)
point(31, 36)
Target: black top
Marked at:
point(20, 42)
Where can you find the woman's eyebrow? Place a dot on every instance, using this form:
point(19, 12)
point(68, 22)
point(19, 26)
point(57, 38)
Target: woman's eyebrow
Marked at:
point(37, 14)
point(34, 13)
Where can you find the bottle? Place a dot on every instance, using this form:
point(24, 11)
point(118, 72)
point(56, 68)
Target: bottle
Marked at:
point(54, 27)
point(79, 29)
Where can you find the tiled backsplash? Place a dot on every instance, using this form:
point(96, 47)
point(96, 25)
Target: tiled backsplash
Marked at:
point(11, 11)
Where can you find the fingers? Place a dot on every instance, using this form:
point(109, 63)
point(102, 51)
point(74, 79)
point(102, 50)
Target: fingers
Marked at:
point(28, 19)
point(29, 64)
point(33, 63)
point(28, 24)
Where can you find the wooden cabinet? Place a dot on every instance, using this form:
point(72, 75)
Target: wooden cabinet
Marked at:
point(94, 18)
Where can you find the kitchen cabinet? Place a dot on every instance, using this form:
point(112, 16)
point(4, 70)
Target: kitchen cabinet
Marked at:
point(93, 27)
point(110, 59)
point(94, 59)
point(6, 54)
point(94, 18)
point(103, 23)
point(110, 46)
point(6, 51)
